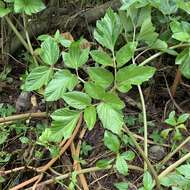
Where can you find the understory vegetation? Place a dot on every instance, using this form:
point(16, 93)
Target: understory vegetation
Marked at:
point(95, 94)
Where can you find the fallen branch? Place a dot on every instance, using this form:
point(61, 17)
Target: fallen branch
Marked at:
point(23, 116)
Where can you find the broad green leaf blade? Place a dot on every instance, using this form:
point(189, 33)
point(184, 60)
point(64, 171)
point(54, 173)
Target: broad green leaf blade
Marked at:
point(182, 118)
point(113, 100)
point(94, 90)
point(75, 57)
point(160, 45)
point(4, 11)
point(128, 155)
point(133, 75)
point(101, 76)
point(49, 51)
point(103, 163)
point(63, 80)
point(147, 32)
point(121, 165)
point(64, 115)
point(108, 30)
point(184, 6)
point(28, 7)
point(184, 170)
point(126, 4)
point(171, 120)
point(60, 39)
point(180, 30)
point(147, 181)
point(125, 53)
point(90, 116)
point(111, 118)
point(101, 57)
point(78, 100)
point(37, 78)
point(111, 141)
point(65, 121)
point(121, 186)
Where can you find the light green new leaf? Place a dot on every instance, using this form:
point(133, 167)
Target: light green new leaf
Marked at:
point(121, 165)
point(182, 118)
point(62, 81)
point(147, 181)
point(29, 7)
point(108, 29)
point(75, 57)
point(37, 78)
point(78, 100)
point(180, 30)
point(171, 120)
point(90, 116)
point(184, 170)
point(166, 132)
point(111, 118)
point(64, 122)
point(121, 185)
point(125, 54)
point(147, 32)
point(4, 11)
point(126, 4)
point(133, 75)
point(60, 39)
point(49, 51)
point(128, 155)
point(111, 141)
point(101, 57)
point(113, 100)
point(103, 163)
point(94, 90)
point(101, 76)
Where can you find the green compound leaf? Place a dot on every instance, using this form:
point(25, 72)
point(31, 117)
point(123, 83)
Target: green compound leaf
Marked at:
point(63, 80)
point(180, 30)
point(94, 90)
point(125, 54)
point(111, 141)
point(90, 116)
point(75, 57)
point(108, 30)
point(111, 118)
point(37, 78)
point(64, 122)
point(121, 165)
point(28, 7)
point(49, 51)
point(133, 75)
point(101, 57)
point(78, 100)
point(101, 76)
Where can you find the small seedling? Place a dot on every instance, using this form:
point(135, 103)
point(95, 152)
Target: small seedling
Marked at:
point(177, 124)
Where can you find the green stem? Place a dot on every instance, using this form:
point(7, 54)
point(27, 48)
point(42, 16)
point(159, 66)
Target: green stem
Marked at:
point(17, 33)
point(145, 125)
point(25, 21)
point(115, 68)
point(149, 165)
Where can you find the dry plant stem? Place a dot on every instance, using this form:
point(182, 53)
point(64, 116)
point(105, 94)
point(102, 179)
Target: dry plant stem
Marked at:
point(174, 165)
point(22, 185)
point(17, 33)
point(77, 167)
point(169, 156)
point(149, 165)
point(83, 171)
point(25, 21)
point(17, 169)
point(51, 162)
point(23, 116)
point(64, 148)
point(176, 82)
